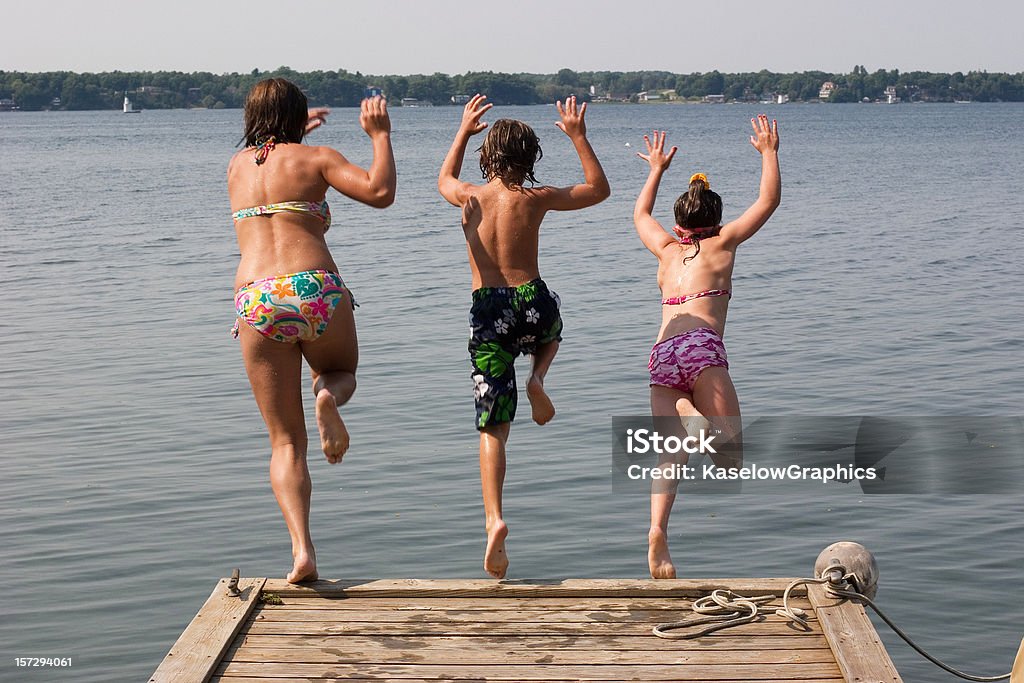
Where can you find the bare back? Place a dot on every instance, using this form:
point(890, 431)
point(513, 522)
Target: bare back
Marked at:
point(711, 269)
point(501, 220)
point(502, 226)
point(279, 243)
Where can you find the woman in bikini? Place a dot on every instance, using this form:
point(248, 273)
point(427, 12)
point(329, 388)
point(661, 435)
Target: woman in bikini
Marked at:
point(291, 300)
point(688, 366)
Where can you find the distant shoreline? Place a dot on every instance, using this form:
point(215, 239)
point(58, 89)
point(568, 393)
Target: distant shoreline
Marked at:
point(64, 90)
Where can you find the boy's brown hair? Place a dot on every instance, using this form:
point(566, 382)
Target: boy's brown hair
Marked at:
point(275, 108)
point(509, 152)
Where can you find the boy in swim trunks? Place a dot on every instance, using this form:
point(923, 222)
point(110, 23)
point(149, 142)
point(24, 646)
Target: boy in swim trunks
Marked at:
point(513, 311)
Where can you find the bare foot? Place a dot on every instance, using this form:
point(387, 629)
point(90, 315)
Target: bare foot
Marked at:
point(333, 435)
point(303, 568)
point(495, 559)
point(658, 559)
point(543, 409)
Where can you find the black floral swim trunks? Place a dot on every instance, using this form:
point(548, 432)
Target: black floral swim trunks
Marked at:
point(505, 322)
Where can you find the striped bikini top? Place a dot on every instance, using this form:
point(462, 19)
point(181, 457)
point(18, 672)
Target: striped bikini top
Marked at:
point(319, 209)
point(675, 300)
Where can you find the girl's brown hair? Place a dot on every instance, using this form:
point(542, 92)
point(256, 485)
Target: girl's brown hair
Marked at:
point(509, 152)
point(699, 208)
point(275, 108)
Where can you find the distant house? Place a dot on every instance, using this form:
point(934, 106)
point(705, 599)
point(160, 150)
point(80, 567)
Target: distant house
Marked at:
point(827, 88)
point(890, 95)
point(7, 104)
point(714, 99)
point(413, 102)
point(461, 99)
point(656, 95)
point(781, 98)
point(373, 91)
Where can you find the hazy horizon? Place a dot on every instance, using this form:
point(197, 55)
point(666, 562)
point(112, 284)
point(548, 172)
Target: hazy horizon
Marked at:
point(530, 37)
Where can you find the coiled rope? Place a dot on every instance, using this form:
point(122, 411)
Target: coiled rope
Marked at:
point(726, 609)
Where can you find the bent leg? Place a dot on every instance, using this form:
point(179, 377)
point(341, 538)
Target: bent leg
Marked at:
point(665, 402)
point(714, 396)
point(492, 479)
point(542, 407)
point(275, 374)
point(332, 359)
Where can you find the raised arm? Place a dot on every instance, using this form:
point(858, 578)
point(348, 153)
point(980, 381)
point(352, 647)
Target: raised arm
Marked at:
point(595, 189)
point(766, 141)
point(651, 232)
point(448, 183)
point(375, 187)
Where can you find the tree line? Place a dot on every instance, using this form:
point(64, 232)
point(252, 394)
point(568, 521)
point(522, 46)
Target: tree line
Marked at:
point(68, 90)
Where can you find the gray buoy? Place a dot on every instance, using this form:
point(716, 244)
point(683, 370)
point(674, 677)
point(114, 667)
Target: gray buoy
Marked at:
point(857, 560)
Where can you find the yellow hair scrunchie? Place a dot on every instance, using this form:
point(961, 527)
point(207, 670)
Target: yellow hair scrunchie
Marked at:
point(700, 176)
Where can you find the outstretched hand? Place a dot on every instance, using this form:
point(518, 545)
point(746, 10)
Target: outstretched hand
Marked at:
point(656, 156)
point(765, 137)
point(373, 116)
point(572, 123)
point(475, 108)
point(316, 117)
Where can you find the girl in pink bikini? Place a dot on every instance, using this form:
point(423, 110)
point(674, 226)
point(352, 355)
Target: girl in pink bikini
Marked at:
point(689, 368)
point(291, 301)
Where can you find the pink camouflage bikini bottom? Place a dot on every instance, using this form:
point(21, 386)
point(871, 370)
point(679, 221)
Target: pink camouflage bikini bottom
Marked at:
point(677, 361)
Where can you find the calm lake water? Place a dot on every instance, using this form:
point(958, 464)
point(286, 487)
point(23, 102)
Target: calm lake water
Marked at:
point(135, 461)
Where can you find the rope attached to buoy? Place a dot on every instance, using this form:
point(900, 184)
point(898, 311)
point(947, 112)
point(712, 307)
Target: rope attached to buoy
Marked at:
point(845, 589)
point(726, 609)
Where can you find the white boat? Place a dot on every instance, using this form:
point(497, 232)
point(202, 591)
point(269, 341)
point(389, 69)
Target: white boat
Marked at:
point(129, 108)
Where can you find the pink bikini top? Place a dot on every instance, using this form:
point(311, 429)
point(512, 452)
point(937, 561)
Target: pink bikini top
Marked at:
point(676, 300)
point(694, 235)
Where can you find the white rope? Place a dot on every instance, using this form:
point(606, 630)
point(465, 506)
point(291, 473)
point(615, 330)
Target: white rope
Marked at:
point(723, 608)
point(726, 609)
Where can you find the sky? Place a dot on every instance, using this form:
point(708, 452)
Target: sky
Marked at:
point(426, 36)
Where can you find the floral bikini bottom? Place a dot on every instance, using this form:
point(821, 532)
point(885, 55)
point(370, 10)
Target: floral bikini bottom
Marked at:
point(290, 308)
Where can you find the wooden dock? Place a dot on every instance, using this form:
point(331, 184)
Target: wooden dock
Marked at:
point(484, 630)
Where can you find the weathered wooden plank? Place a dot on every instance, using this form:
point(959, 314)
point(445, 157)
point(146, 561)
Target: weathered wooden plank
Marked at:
point(360, 603)
point(859, 652)
point(197, 651)
point(496, 677)
point(650, 617)
point(721, 641)
point(618, 588)
point(535, 672)
point(771, 626)
point(456, 653)
point(562, 604)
